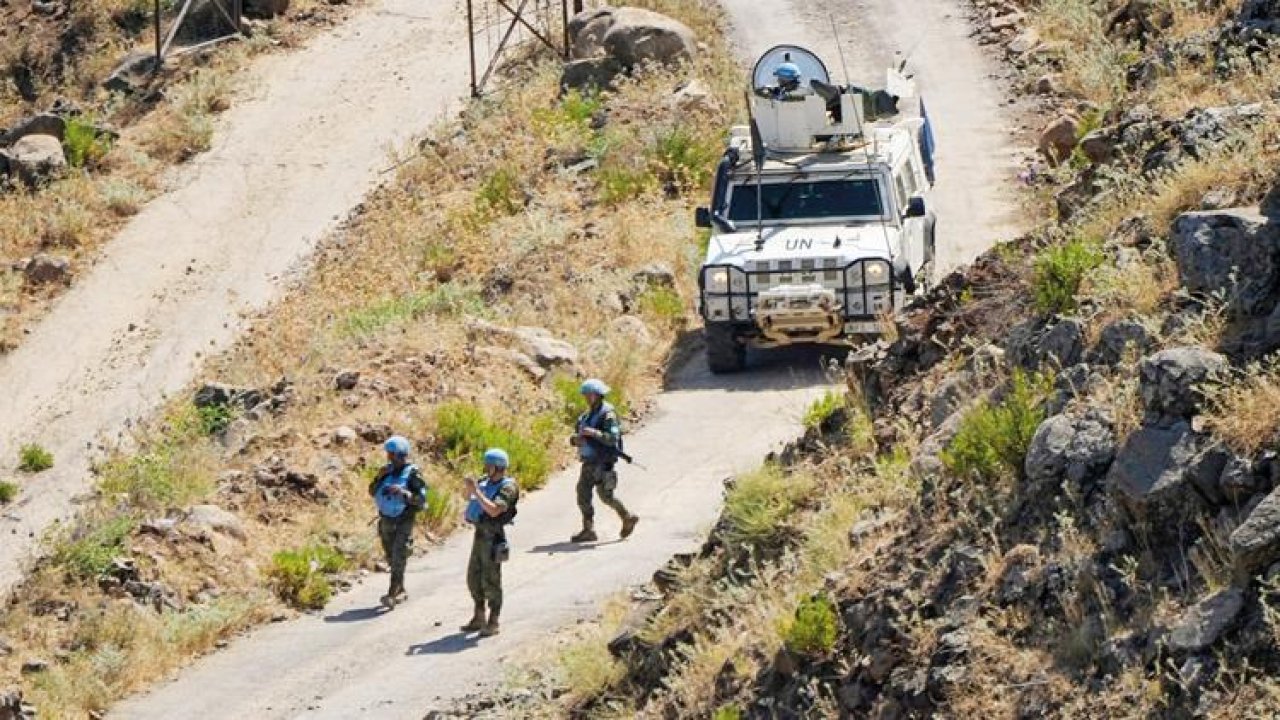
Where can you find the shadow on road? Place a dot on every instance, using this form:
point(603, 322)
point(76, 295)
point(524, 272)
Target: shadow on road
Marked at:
point(356, 614)
point(570, 547)
point(790, 368)
point(446, 645)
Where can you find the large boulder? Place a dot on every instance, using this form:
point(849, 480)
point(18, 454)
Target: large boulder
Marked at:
point(37, 159)
point(632, 36)
point(596, 72)
point(1255, 544)
point(1261, 15)
point(1075, 449)
point(265, 8)
point(1232, 253)
point(212, 518)
point(1036, 346)
point(47, 270)
point(1058, 139)
point(40, 124)
point(1171, 381)
point(1119, 339)
point(1156, 474)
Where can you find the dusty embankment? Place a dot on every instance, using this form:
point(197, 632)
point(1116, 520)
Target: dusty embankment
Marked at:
point(286, 165)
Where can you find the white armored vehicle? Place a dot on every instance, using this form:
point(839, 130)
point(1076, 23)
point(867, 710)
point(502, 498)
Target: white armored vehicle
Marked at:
point(819, 226)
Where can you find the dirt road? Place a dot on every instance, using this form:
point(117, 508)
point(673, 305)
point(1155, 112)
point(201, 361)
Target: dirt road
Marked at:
point(306, 145)
point(356, 662)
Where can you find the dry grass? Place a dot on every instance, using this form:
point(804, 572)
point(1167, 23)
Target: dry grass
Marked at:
point(1246, 413)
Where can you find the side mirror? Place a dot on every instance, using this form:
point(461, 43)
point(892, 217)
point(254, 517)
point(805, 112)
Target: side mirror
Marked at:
point(702, 217)
point(915, 206)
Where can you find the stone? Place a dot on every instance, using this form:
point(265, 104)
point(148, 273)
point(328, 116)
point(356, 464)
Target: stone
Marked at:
point(346, 380)
point(1119, 339)
point(1262, 15)
point(1073, 449)
point(1255, 544)
point(1058, 139)
point(1202, 624)
point(1099, 146)
point(40, 124)
point(1238, 481)
point(215, 395)
point(586, 33)
point(373, 432)
point(1008, 21)
point(1025, 42)
point(1171, 381)
point(637, 36)
point(214, 518)
point(512, 357)
point(1228, 253)
point(633, 329)
point(1270, 205)
point(1152, 474)
point(696, 97)
point(265, 9)
point(1018, 581)
point(1048, 84)
point(132, 73)
point(1035, 346)
point(589, 73)
point(47, 270)
point(37, 665)
point(655, 275)
point(37, 159)
point(344, 435)
point(547, 350)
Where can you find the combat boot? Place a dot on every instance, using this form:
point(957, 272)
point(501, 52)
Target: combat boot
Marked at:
point(491, 628)
point(629, 525)
point(477, 620)
point(585, 535)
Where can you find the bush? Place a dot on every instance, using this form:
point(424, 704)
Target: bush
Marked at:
point(442, 509)
point(500, 194)
point(684, 159)
point(446, 299)
point(466, 433)
point(758, 503)
point(1059, 272)
point(8, 491)
point(301, 578)
point(215, 419)
point(33, 458)
point(813, 629)
point(90, 554)
point(174, 470)
point(992, 441)
point(83, 145)
point(663, 303)
point(619, 183)
point(727, 712)
point(823, 408)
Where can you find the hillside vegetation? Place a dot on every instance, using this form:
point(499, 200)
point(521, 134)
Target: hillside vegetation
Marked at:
point(1054, 493)
point(541, 238)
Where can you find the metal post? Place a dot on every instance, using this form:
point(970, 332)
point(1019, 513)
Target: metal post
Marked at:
point(157, 28)
point(471, 45)
point(564, 10)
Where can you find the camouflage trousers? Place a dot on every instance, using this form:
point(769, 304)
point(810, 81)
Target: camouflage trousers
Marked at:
point(603, 481)
point(397, 541)
point(484, 572)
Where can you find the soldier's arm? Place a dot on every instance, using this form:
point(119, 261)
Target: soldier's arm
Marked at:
point(417, 489)
point(499, 504)
point(612, 430)
point(373, 484)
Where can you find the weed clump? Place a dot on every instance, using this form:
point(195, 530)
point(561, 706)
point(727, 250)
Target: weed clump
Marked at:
point(1059, 272)
point(813, 629)
point(760, 502)
point(301, 577)
point(992, 441)
point(8, 491)
point(822, 409)
point(89, 556)
point(85, 147)
point(466, 432)
point(175, 468)
point(33, 458)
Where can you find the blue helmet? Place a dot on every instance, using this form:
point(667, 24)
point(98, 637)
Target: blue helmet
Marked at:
point(787, 72)
point(595, 387)
point(397, 445)
point(497, 458)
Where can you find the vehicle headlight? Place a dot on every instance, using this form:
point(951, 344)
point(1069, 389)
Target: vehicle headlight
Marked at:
point(721, 280)
point(877, 273)
point(718, 280)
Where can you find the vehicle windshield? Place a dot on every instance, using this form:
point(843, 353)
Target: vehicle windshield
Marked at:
point(802, 199)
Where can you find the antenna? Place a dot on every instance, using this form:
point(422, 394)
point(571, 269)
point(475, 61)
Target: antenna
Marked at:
point(758, 151)
point(839, 47)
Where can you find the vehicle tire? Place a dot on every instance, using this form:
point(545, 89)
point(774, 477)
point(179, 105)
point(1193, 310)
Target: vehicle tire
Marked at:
point(930, 238)
point(724, 353)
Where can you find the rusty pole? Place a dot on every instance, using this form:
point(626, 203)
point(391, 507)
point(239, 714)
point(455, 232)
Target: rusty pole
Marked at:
point(157, 29)
point(564, 10)
point(471, 46)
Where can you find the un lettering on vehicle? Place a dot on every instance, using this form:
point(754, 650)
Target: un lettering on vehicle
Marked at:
point(800, 244)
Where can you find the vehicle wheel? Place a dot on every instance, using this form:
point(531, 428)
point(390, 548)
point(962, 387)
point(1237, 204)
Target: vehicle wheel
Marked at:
point(930, 238)
point(724, 353)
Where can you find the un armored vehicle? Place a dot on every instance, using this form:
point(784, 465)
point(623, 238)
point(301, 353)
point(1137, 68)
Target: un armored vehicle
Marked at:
point(820, 227)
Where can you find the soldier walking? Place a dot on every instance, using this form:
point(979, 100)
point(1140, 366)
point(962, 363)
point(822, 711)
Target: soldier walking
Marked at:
point(399, 492)
point(598, 437)
point(491, 506)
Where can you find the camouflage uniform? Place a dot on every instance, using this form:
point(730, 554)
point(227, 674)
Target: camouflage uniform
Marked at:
point(396, 533)
point(598, 460)
point(484, 572)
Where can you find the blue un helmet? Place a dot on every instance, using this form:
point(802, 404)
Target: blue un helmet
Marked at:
point(397, 445)
point(497, 458)
point(788, 73)
point(594, 387)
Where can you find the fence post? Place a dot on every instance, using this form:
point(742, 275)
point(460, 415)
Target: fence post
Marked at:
point(157, 29)
point(471, 47)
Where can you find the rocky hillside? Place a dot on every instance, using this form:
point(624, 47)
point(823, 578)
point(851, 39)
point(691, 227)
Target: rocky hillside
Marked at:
point(1054, 493)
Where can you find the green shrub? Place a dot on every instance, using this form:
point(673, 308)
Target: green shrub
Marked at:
point(727, 712)
point(466, 432)
point(574, 113)
point(991, 443)
point(301, 578)
point(758, 503)
point(500, 194)
point(442, 508)
point(1059, 272)
point(813, 629)
point(619, 183)
point(82, 143)
point(445, 300)
point(8, 491)
point(88, 553)
point(215, 419)
point(174, 468)
point(663, 303)
point(33, 458)
point(823, 408)
point(683, 158)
